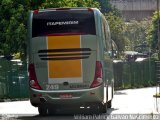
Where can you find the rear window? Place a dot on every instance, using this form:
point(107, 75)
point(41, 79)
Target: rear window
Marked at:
point(63, 22)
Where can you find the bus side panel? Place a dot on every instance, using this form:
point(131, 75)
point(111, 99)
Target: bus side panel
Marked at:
point(89, 41)
point(41, 67)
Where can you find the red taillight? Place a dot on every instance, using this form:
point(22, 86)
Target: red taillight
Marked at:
point(36, 11)
point(98, 75)
point(90, 9)
point(32, 78)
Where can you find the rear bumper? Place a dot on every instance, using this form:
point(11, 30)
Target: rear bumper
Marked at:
point(38, 97)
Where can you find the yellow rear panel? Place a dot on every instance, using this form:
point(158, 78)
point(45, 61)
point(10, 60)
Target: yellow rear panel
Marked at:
point(64, 70)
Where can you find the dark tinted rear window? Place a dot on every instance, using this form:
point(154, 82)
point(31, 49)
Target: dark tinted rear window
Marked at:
point(63, 22)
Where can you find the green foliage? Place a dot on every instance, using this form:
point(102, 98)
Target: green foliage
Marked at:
point(127, 35)
point(13, 22)
point(13, 26)
point(34, 4)
point(136, 33)
point(66, 3)
point(105, 6)
point(117, 28)
point(153, 32)
point(14, 14)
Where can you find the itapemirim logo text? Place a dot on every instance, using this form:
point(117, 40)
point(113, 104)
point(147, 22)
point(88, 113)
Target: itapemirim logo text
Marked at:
point(63, 23)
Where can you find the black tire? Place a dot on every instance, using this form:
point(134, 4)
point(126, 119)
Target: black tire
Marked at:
point(99, 108)
point(109, 104)
point(43, 110)
point(104, 108)
point(96, 108)
point(93, 109)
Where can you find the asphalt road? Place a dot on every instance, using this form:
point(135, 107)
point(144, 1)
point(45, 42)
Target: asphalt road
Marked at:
point(127, 104)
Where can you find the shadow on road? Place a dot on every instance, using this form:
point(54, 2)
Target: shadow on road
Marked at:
point(49, 117)
point(110, 110)
point(67, 116)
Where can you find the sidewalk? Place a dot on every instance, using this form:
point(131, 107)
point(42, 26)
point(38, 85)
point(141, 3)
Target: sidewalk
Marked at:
point(135, 101)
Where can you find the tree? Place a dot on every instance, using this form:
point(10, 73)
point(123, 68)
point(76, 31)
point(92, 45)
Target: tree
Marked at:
point(136, 33)
point(105, 6)
point(152, 35)
point(68, 3)
point(117, 28)
point(34, 4)
point(13, 22)
point(13, 26)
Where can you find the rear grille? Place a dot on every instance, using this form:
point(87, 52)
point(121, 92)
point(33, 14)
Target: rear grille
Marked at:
point(64, 54)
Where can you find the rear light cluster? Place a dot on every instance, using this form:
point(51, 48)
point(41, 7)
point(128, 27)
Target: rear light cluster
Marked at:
point(98, 75)
point(36, 11)
point(32, 78)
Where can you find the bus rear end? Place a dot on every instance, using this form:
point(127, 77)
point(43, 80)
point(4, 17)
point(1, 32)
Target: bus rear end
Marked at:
point(64, 68)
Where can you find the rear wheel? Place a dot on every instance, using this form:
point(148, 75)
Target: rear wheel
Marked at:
point(95, 108)
point(98, 108)
point(109, 104)
point(104, 108)
point(43, 110)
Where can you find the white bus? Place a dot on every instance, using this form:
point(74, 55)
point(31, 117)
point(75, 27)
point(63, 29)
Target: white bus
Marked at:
point(69, 62)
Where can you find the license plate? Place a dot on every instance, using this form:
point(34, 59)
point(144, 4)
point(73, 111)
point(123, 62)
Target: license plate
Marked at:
point(65, 95)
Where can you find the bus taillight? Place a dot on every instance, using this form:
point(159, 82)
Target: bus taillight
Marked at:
point(98, 75)
point(36, 11)
point(32, 78)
